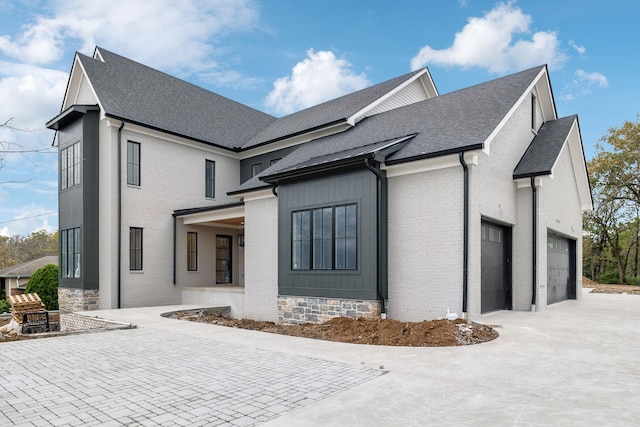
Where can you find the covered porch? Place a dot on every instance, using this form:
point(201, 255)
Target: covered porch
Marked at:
point(209, 256)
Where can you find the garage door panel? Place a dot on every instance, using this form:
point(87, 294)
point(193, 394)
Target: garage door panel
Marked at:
point(560, 269)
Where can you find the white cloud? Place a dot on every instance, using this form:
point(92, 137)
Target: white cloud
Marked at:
point(488, 42)
point(580, 49)
point(161, 33)
point(582, 84)
point(319, 77)
point(30, 218)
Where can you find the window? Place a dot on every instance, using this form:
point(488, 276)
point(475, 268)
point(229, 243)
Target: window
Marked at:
point(192, 251)
point(70, 166)
point(274, 161)
point(210, 178)
point(533, 111)
point(256, 169)
point(325, 238)
point(70, 253)
point(133, 163)
point(135, 248)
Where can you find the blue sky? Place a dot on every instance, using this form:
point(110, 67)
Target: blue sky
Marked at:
point(281, 56)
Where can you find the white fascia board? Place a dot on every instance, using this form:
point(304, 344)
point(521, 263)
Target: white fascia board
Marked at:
point(426, 165)
point(545, 94)
point(526, 182)
point(134, 128)
point(294, 140)
point(74, 85)
point(355, 118)
point(217, 215)
point(514, 107)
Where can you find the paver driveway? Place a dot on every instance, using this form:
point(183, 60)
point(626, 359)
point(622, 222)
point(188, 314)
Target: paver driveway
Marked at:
point(575, 364)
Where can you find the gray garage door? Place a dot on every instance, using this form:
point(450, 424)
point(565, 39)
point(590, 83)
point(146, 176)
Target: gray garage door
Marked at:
point(496, 267)
point(561, 267)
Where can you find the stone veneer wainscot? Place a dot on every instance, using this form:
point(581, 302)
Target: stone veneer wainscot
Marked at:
point(296, 310)
point(70, 300)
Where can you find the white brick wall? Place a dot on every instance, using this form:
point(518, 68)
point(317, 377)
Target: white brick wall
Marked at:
point(172, 177)
point(425, 244)
point(261, 255)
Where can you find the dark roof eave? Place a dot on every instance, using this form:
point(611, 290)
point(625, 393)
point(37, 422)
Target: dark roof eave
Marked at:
point(247, 190)
point(531, 174)
point(189, 211)
point(294, 134)
point(315, 169)
point(124, 119)
point(464, 149)
point(69, 115)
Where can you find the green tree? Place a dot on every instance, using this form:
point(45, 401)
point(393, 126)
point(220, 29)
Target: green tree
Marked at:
point(613, 227)
point(44, 282)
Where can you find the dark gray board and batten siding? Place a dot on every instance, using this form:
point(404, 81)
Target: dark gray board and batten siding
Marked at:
point(355, 186)
point(79, 205)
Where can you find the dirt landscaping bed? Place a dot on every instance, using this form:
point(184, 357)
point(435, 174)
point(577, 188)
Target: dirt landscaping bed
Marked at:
point(435, 333)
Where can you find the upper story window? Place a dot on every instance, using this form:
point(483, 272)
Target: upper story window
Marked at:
point(70, 166)
point(210, 178)
point(325, 238)
point(256, 169)
point(133, 163)
point(274, 161)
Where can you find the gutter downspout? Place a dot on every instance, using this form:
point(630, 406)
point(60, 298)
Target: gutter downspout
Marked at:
point(379, 230)
point(120, 212)
point(465, 232)
point(175, 243)
point(534, 244)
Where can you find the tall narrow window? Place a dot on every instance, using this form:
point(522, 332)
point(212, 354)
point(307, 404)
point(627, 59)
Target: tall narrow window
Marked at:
point(70, 253)
point(192, 251)
point(135, 248)
point(210, 178)
point(322, 239)
point(70, 166)
point(346, 237)
point(301, 241)
point(533, 111)
point(133, 163)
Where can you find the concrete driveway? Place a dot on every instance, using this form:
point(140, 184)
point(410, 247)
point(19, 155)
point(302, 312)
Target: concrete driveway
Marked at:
point(574, 364)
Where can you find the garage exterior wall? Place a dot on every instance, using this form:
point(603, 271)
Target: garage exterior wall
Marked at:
point(425, 244)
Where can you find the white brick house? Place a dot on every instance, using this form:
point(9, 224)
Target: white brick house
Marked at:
point(394, 199)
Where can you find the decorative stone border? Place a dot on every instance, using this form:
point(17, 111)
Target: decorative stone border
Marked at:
point(296, 310)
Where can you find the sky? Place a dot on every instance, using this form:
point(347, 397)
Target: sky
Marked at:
point(280, 56)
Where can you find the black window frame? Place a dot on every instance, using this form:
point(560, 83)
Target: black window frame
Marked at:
point(134, 172)
point(70, 244)
point(70, 166)
point(136, 248)
point(311, 232)
point(210, 179)
point(256, 168)
point(192, 251)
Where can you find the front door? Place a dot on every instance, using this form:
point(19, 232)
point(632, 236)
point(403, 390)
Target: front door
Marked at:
point(223, 259)
point(496, 267)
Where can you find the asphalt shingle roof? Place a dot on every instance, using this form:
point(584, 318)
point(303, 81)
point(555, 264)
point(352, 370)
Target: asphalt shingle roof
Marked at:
point(545, 148)
point(137, 93)
point(332, 111)
point(449, 123)
point(26, 269)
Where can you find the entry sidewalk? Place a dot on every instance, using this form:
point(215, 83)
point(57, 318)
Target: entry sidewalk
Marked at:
point(573, 364)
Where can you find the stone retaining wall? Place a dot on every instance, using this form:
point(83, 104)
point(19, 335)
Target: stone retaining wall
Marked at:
point(295, 310)
point(70, 300)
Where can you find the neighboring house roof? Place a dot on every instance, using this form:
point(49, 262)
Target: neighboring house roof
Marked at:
point(545, 148)
point(26, 269)
point(455, 122)
point(330, 112)
point(139, 94)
